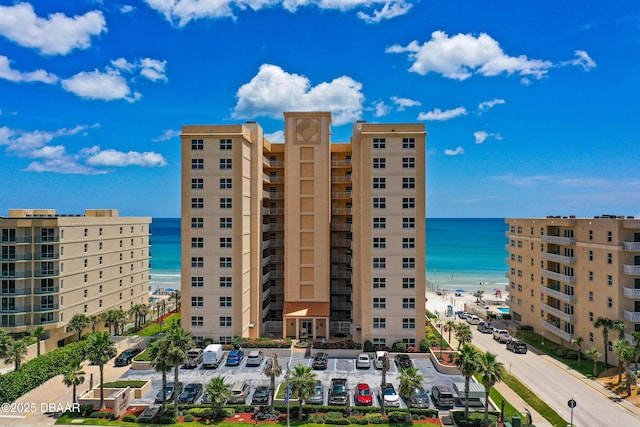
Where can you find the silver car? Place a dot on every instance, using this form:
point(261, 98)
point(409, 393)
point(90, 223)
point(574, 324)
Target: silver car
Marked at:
point(363, 361)
point(318, 396)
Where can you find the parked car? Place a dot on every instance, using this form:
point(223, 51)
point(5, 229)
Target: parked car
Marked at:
point(517, 346)
point(320, 361)
point(338, 392)
point(380, 358)
point(255, 358)
point(389, 395)
point(318, 394)
point(442, 396)
point(504, 338)
point(498, 332)
point(485, 327)
point(170, 390)
point(363, 361)
point(127, 356)
point(239, 393)
point(194, 358)
point(261, 395)
point(420, 398)
point(190, 393)
point(363, 395)
point(235, 357)
point(473, 319)
point(403, 360)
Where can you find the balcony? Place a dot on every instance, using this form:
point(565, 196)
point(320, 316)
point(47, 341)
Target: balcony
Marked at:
point(558, 258)
point(632, 246)
point(277, 242)
point(278, 274)
point(266, 244)
point(51, 290)
point(272, 326)
point(571, 318)
point(632, 270)
point(341, 211)
point(277, 211)
point(266, 294)
point(341, 306)
point(16, 309)
point(277, 290)
point(341, 290)
point(341, 163)
point(266, 178)
point(341, 258)
point(15, 274)
point(632, 316)
point(632, 293)
point(340, 195)
point(19, 257)
point(277, 179)
point(47, 239)
point(337, 178)
point(17, 240)
point(276, 226)
point(46, 307)
point(266, 277)
point(277, 163)
point(341, 243)
point(558, 295)
point(340, 226)
point(558, 276)
point(340, 327)
point(47, 256)
point(276, 195)
point(266, 211)
point(557, 331)
point(559, 240)
point(266, 228)
point(277, 258)
point(340, 274)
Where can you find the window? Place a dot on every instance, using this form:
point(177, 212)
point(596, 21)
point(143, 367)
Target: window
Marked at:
point(609, 236)
point(86, 293)
point(225, 262)
point(591, 276)
point(408, 323)
point(590, 336)
point(100, 303)
point(408, 283)
point(197, 301)
point(590, 296)
point(590, 234)
point(8, 235)
point(85, 308)
point(379, 263)
point(380, 183)
point(408, 223)
point(590, 255)
point(197, 321)
point(225, 144)
point(379, 202)
point(408, 303)
point(197, 203)
point(379, 143)
point(197, 262)
point(197, 242)
point(408, 182)
point(408, 203)
point(226, 183)
point(408, 242)
point(225, 301)
point(197, 144)
point(408, 262)
point(609, 280)
point(225, 321)
point(379, 162)
point(609, 258)
point(197, 183)
point(197, 282)
point(86, 248)
point(379, 223)
point(408, 143)
point(225, 242)
point(225, 282)
point(86, 232)
point(379, 323)
point(197, 222)
point(226, 163)
point(86, 263)
point(379, 303)
point(379, 242)
point(226, 203)
point(591, 316)
point(408, 162)
point(379, 282)
point(197, 163)
point(380, 342)
point(226, 222)
point(610, 302)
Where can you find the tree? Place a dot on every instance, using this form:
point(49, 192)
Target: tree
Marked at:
point(635, 336)
point(577, 341)
point(78, 323)
point(492, 372)
point(595, 355)
point(179, 342)
point(158, 351)
point(272, 369)
point(5, 342)
point(16, 352)
point(479, 296)
point(619, 347)
point(99, 351)
point(218, 392)
point(108, 317)
point(303, 383)
point(73, 378)
point(606, 325)
point(463, 333)
point(37, 333)
point(450, 326)
point(468, 361)
point(628, 355)
point(94, 320)
point(386, 365)
point(410, 381)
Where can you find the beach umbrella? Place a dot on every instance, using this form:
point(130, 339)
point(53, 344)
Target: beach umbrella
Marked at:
point(459, 290)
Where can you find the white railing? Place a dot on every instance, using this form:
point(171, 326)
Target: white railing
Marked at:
point(557, 331)
point(558, 276)
point(632, 293)
point(631, 269)
point(571, 318)
point(558, 295)
point(559, 240)
point(632, 316)
point(632, 246)
point(558, 258)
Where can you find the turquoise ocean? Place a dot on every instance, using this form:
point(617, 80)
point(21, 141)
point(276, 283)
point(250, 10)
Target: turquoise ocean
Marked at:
point(461, 253)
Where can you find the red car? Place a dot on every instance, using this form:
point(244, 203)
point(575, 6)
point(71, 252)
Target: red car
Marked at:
point(363, 395)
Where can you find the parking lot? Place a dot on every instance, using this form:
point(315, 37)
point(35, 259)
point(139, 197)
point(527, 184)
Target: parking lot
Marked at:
point(336, 368)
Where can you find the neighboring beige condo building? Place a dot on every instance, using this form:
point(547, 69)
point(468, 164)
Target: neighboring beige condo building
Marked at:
point(55, 266)
point(306, 238)
point(566, 272)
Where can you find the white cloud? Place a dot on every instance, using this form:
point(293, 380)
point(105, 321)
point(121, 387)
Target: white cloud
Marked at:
point(277, 136)
point(56, 35)
point(582, 60)
point(98, 85)
point(131, 158)
point(273, 91)
point(123, 64)
point(389, 10)
point(7, 73)
point(481, 136)
point(127, 9)
point(455, 152)
point(484, 106)
point(440, 115)
point(460, 56)
point(167, 135)
point(153, 69)
point(25, 143)
point(381, 109)
point(65, 165)
point(403, 103)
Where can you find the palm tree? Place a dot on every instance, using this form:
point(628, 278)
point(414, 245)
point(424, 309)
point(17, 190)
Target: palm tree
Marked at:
point(450, 326)
point(619, 347)
point(144, 311)
point(94, 320)
point(492, 372)
point(158, 351)
point(410, 380)
point(303, 383)
point(272, 369)
point(218, 392)
point(5, 342)
point(78, 323)
point(635, 336)
point(16, 352)
point(73, 378)
point(386, 365)
point(595, 355)
point(628, 355)
point(120, 320)
point(108, 317)
point(577, 341)
point(99, 351)
point(606, 325)
point(468, 361)
point(479, 296)
point(37, 333)
point(179, 342)
point(463, 333)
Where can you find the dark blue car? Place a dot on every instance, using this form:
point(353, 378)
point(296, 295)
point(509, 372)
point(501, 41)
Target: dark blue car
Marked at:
point(235, 357)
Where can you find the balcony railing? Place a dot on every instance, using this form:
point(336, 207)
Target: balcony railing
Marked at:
point(266, 244)
point(558, 258)
point(341, 258)
point(340, 274)
point(266, 228)
point(266, 294)
point(632, 270)
point(632, 246)
point(47, 256)
point(20, 239)
point(276, 195)
point(558, 276)
point(558, 295)
point(272, 326)
point(277, 211)
point(632, 293)
point(340, 226)
point(277, 290)
point(17, 309)
point(46, 307)
point(338, 178)
point(632, 316)
point(340, 163)
point(276, 226)
point(266, 277)
point(277, 163)
point(341, 211)
point(277, 242)
point(571, 318)
point(277, 258)
point(341, 243)
point(340, 327)
point(341, 306)
point(340, 195)
point(50, 290)
point(558, 240)
point(557, 331)
point(19, 257)
point(266, 211)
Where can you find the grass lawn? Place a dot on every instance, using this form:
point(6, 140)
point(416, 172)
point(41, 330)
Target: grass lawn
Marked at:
point(125, 383)
point(509, 409)
point(534, 401)
point(154, 328)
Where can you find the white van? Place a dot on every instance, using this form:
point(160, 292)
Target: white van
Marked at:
point(380, 355)
point(473, 319)
point(212, 356)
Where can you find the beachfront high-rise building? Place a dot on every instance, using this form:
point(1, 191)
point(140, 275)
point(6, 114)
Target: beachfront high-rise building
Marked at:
point(305, 238)
point(566, 272)
point(55, 266)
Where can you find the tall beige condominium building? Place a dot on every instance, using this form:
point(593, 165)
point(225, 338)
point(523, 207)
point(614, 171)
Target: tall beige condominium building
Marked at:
point(306, 238)
point(566, 272)
point(55, 266)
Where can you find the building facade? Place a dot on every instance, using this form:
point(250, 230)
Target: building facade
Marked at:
point(305, 238)
point(55, 266)
point(566, 272)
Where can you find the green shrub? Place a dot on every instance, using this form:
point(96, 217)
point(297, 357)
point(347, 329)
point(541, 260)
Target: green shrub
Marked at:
point(375, 419)
point(506, 316)
point(525, 328)
point(189, 418)
point(334, 415)
point(337, 422)
point(368, 346)
point(130, 418)
point(399, 347)
point(397, 417)
point(227, 412)
point(424, 344)
point(102, 414)
point(127, 383)
point(86, 409)
point(165, 419)
point(316, 419)
point(206, 413)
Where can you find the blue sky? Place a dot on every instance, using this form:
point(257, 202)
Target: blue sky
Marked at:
point(531, 108)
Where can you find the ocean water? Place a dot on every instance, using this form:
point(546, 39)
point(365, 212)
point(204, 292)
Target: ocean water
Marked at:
point(461, 253)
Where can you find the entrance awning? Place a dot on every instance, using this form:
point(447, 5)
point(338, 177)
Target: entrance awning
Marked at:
point(306, 309)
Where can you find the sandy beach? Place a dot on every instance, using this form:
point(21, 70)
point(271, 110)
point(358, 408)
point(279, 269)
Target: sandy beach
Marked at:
point(438, 304)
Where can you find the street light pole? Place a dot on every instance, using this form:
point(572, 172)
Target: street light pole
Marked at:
point(440, 340)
